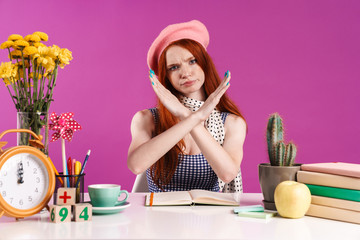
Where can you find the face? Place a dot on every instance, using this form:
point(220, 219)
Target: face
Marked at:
point(184, 73)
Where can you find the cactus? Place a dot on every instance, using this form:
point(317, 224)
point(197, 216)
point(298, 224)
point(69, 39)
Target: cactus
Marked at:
point(290, 154)
point(280, 154)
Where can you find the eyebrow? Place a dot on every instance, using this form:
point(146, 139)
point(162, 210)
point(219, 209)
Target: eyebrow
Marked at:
point(170, 65)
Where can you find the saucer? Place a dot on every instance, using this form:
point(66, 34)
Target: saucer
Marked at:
point(109, 210)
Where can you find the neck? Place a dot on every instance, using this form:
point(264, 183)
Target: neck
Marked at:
point(198, 95)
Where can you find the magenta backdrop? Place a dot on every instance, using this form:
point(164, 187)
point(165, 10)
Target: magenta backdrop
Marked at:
point(298, 58)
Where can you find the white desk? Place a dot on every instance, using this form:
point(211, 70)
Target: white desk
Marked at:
point(181, 222)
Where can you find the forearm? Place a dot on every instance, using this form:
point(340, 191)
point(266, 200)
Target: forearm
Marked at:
point(151, 151)
point(225, 167)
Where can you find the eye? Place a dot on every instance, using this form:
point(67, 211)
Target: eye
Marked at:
point(173, 68)
point(193, 61)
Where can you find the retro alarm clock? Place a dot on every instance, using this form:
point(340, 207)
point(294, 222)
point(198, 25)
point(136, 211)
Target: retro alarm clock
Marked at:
point(27, 179)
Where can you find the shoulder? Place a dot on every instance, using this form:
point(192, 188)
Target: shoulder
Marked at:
point(143, 118)
point(234, 122)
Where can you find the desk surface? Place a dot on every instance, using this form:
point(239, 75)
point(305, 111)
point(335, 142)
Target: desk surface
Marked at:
point(181, 222)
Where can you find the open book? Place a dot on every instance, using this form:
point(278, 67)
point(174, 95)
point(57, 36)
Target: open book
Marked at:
point(190, 198)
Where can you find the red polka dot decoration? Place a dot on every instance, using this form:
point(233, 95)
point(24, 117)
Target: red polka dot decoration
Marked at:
point(63, 125)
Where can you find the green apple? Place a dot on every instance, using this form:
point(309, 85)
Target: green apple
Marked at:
point(292, 199)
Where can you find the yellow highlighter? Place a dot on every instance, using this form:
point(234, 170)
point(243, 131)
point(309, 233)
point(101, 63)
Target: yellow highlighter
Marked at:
point(77, 169)
point(77, 172)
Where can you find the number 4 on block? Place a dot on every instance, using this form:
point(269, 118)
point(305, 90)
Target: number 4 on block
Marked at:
point(82, 212)
point(59, 214)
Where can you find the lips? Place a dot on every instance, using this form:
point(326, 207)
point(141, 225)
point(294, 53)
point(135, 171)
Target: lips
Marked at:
point(188, 83)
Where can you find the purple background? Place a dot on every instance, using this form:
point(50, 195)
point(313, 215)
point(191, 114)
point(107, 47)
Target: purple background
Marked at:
point(298, 58)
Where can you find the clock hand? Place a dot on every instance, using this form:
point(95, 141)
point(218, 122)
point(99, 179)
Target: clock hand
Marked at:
point(20, 173)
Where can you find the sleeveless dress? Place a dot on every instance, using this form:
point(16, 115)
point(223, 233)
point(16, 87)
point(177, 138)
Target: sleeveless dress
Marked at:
point(193, 171)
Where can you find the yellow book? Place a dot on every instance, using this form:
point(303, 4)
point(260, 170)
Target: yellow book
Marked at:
point(190, 198)
point(334, 213)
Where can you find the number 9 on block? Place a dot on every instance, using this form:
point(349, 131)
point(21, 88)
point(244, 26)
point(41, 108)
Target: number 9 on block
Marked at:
point(59, 214)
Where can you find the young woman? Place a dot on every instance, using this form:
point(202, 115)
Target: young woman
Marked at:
point(194, 138)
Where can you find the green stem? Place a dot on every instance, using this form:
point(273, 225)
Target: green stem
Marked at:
point(12, 97)
point(52, 86)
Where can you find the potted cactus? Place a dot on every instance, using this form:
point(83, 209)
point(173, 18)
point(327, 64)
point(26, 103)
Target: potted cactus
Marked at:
point(282, 158)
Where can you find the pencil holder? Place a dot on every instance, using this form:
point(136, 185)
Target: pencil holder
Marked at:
point(72, 180)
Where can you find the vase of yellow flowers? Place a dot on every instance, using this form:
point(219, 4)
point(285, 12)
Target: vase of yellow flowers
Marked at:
point(30, 77)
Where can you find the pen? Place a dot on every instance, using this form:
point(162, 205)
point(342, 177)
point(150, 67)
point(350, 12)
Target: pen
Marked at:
point(69, 171)
point(83, 167)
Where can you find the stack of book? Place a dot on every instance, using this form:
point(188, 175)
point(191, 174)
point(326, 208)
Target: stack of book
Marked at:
point(335, 190)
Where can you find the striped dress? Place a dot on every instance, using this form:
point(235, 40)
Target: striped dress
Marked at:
point(193, 171)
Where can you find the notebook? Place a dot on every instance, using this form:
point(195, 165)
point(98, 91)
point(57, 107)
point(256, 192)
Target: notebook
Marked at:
point(190, 198)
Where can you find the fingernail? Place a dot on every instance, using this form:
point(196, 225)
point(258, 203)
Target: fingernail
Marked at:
point(153, 83)
point(226, 73)
point(227, 83)
point(152, 71)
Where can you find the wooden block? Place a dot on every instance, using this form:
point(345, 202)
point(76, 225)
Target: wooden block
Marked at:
point(59, 214)
point(66, 196)
point(82, 212)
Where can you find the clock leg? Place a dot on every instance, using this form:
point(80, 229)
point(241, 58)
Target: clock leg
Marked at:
point(48, 208)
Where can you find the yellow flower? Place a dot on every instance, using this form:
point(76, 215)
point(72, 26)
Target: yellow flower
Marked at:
point(47, 62)
point(43, 50)
point(32, 38)
point(6, 81)
point(5, 70)
point(15, 54)
point(30, 50)
point(14, 70)
point(15, 37)
point(39, 44)
point(65, 56)
point(20, 64)
point(32, 74)
point(21, 44)
point(54, 52)
point(6, 44)
point(19, 74)
point(44, 37)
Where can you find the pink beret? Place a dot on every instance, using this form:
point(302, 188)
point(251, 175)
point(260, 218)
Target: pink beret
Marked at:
point(193, 30)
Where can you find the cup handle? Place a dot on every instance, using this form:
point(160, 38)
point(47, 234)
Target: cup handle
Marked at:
point(122, 201)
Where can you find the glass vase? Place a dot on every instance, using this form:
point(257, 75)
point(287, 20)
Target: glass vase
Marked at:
point(38, 122)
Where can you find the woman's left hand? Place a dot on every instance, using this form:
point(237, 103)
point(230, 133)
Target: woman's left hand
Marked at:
point(168, 99)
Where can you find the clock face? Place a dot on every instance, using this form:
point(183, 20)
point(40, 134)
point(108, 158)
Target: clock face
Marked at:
point(24, 181)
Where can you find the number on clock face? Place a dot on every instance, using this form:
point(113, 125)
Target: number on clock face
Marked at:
point(32, 189)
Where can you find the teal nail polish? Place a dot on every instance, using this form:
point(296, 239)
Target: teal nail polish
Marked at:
point(153, 83)
point(152, 71)
point(227, 83)
point(225, 74)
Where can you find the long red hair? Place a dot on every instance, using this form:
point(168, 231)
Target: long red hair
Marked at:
point(163, 170)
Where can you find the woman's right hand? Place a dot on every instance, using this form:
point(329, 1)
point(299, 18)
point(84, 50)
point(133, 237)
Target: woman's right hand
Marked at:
point(168, 99)
point(214, 98)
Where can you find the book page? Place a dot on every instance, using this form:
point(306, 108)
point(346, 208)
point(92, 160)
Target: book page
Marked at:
point(214, 198)
point(169, 198)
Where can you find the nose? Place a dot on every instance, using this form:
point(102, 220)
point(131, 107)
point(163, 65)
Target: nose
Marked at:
point(185, 71)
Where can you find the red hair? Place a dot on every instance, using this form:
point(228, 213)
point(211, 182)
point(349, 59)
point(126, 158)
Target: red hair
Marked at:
point(163, 170)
